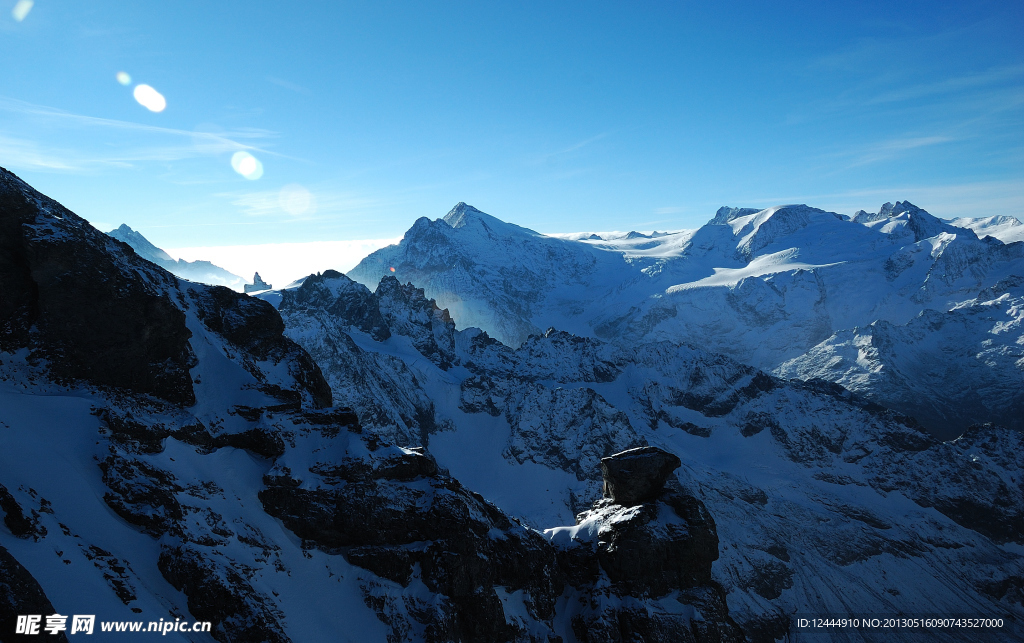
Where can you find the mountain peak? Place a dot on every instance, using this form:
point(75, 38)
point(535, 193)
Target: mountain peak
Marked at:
point(463, 214)
point(726, 214)
point(458, 215)
point(140, 244)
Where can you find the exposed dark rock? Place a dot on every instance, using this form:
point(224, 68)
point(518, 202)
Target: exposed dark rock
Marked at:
point(142, 494)
point(407, 311)
point(71, 294)
point(476, 395)
point(395, 514)
point(646, 551)
point(217, 593)
point(636, 475)
point(15, 519)
point(20, 594)
point(254, 326)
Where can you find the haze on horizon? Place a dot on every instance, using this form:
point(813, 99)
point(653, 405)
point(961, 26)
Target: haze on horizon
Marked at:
point(218, 125)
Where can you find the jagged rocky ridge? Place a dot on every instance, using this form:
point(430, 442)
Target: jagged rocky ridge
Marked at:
point(169, 453)
point(824, 503)
point(762, 286)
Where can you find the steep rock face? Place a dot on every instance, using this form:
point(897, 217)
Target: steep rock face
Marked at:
point(343, 299)
point(391, 511)
point(660, 549)
point(947, 369)
point(253, 326)
point(407, 311)
point(124, 394)
point(321, 316)
point(219, 594)
point(91, 308)
point(21, 595)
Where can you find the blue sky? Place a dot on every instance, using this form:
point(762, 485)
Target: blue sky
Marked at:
point(556, 116)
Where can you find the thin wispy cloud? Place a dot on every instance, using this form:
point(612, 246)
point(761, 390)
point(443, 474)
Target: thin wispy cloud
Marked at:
point(951, 85)
point(108, 143)
point(544, 158)
point(280, 82)
point(19, 153)
point(231, 138)
point(893, 149)
point(280, 204)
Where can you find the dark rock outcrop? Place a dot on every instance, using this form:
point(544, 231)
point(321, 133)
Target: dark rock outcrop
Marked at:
point(95, 311)
point(393, 512)
point(636, 475)
point(74, 297)
point(220, 595)
point(254, 326)
point(661, 542)
point(20, 594)
point(15, 519)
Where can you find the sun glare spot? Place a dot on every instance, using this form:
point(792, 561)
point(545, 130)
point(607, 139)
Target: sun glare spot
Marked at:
point(247, 165)
point(392, 268)
point(295, 199)
point(150, 98)
point(124, 78)
point(21, 9)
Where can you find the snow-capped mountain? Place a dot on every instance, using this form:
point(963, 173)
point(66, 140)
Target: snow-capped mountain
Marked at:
point(202, 272)
point(762, 286)
point(947, 369)
point(1006, 229)
point(167, 455)
point(823, 503)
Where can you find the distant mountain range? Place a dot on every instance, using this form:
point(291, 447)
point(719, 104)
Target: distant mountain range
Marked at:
point(762, 286)
point(202, 272)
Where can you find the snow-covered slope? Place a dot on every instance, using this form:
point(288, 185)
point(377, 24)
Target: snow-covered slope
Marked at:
point(202, 272)
point(1006, 229)
point(947, 369)
point(823, 502)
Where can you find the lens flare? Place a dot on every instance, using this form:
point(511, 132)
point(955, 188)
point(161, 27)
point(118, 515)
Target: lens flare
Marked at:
point(392, 268)
point(150, 98)
point(21, 9)
point(124, 78)
point(247, 165)
point(295, 199)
